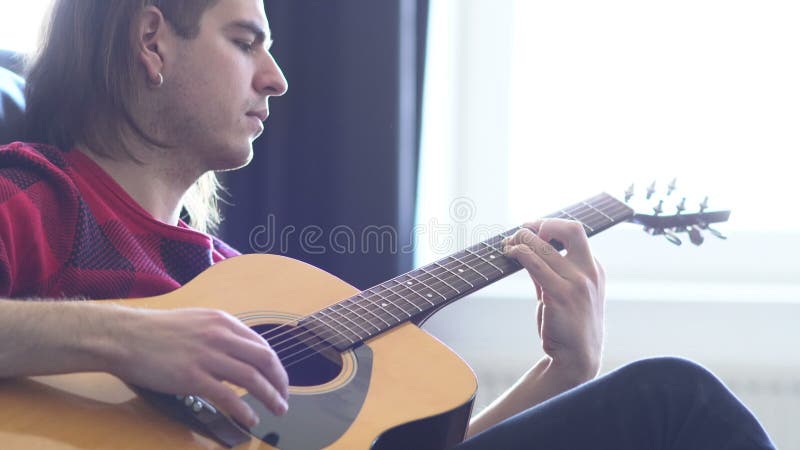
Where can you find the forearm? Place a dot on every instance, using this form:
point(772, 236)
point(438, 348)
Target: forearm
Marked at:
point(545, 380)
point(50, 337)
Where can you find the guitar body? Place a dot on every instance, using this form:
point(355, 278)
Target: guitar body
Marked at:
point(401, 389)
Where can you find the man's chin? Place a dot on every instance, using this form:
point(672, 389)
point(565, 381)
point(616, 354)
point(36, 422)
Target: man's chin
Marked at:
point(234, 160)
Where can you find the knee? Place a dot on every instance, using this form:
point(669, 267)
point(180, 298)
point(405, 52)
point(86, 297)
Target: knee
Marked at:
point(668, 372)
point(668, 367)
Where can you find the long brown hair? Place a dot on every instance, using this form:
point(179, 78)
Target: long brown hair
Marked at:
point(81, 83)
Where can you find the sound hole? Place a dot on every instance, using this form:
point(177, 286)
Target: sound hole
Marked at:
point(308, 360)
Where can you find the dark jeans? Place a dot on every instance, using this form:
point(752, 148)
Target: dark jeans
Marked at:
point(660, 403)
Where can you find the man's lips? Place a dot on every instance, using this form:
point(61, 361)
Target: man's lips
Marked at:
point(262, 114)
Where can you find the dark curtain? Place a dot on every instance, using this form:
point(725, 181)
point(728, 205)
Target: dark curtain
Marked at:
point(333, 180)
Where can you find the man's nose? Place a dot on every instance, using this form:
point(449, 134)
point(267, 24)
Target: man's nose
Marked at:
point(270, 80)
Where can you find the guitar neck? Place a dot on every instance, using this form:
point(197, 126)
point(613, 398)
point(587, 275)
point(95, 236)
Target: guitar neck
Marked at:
point(422, 291)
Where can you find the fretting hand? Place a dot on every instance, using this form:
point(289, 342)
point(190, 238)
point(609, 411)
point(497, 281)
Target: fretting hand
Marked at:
point(571, 292)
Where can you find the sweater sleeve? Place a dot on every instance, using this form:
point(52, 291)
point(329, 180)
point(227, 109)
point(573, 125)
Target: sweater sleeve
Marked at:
point(5, 264)
point(36, 201)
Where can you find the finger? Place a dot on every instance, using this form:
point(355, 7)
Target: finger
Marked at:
point(535, 265)
point(258, 353)
point(547, 252)
point(248, 377)
point(226, 399)
point(539, 290)
point(600, 268)
point(570, 233)
point(264, 359)
point(539, 317)
point(246, 332)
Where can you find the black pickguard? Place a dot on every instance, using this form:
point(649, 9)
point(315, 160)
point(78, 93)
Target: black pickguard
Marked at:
point(316, 420)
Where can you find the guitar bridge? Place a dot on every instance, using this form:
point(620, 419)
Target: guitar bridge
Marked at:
point(199, 415)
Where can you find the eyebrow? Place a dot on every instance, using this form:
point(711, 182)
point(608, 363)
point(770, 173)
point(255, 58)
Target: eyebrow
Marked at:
point(253, 27)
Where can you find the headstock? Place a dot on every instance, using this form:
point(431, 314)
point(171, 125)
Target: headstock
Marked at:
point(672, 213)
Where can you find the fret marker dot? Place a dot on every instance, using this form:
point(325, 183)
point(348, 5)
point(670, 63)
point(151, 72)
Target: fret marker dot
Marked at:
point(409, 283)
point(384, 304)
point(492, 257)
point(430, 295)
point(461, 270)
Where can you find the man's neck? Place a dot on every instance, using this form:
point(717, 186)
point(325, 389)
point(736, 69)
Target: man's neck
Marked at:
point(157, 188)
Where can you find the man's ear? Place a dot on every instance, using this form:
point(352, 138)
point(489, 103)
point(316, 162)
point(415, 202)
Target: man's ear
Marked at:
point(150, 38)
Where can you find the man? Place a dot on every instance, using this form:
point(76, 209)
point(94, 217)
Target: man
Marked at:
point(164, 93)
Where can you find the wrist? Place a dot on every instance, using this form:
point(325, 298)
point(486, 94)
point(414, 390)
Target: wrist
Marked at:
point(102, 343)
point(575, 372)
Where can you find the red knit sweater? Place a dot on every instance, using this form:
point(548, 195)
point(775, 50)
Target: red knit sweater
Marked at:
point(67, 230)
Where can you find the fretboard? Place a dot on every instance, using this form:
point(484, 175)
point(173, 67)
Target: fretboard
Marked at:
point(422, 291)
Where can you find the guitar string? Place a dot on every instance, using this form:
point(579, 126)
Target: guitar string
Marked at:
point(316, 351)
point(437, 282)
point(480, 258)
point(270, 333)
point(392, 292)
point(317, 348)
point(320, 346)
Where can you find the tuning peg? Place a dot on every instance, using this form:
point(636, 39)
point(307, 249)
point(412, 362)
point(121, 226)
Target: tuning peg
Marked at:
point(704, 205)
point(658, 209)
point(716, 233)
point(681, 206)
point(671, 186)
point(629, 193)
point(651, 190)
point(695, 235)
point(672, 237)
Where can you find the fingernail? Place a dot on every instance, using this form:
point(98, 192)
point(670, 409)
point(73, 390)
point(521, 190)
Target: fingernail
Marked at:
point(254, 419)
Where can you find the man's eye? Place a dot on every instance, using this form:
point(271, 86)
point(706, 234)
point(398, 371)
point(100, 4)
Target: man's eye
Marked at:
point(245, 46)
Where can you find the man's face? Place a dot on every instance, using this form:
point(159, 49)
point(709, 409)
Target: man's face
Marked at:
point(217, 86)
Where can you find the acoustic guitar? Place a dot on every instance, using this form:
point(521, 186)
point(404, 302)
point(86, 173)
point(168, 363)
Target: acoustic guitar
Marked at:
point(363, 375)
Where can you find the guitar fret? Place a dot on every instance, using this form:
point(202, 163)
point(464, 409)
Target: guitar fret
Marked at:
point(575, 215)
point(599, 211)
point(390, 288)
point(373, 312)
point(447, 269)
point(470, 267)
point(442, 276)
point(341, 306)
point(344, 304)
point(324, 327)
point(393, 304)
point(491, 247)
point(459, 276)
point(338, 332)
point(588, 216)
point(568, 215)
point(443, 281)
point(591, 215)
point(485, 260)
point(423, 283)
point(340, 323)
point(407, 285)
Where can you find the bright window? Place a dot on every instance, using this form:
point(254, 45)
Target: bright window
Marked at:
point(533, 105)
point(20, 22)
point(623, 90)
